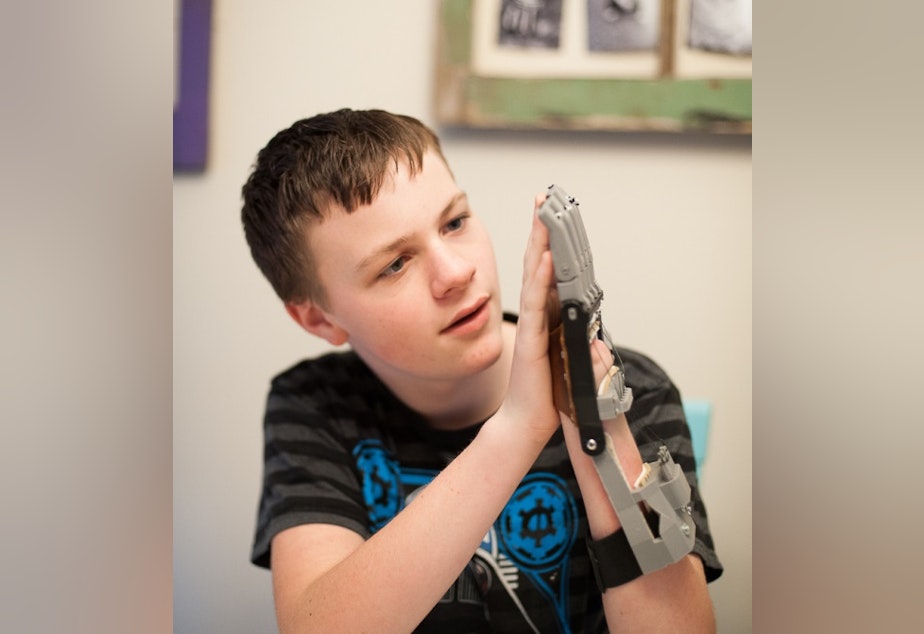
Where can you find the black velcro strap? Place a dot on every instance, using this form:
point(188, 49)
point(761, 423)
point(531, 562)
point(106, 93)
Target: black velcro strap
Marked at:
point(612, 558)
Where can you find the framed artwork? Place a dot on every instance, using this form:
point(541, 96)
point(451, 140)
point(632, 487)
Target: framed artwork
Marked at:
point(661, 65)
point(192, 35)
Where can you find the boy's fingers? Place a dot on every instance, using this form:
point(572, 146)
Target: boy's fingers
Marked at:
point(538, 240)
point(535, 246)
point(535, 294)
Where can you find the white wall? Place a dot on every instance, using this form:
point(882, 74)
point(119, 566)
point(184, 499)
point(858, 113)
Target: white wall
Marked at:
point(669, 218)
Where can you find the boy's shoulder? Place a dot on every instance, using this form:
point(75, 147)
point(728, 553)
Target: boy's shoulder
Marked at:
point(334, 390)
point(330, 369)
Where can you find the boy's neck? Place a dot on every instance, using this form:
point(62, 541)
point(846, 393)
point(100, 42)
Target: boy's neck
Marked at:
point(459, 404)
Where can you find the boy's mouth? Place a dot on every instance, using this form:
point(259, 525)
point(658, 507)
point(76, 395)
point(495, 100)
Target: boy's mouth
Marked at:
point(467, 316)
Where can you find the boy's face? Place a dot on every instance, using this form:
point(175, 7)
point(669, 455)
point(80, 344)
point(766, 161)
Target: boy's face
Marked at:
point(411, 279)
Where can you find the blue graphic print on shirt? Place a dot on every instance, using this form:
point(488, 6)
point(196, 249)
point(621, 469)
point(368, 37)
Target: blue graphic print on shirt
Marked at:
point(530, 541)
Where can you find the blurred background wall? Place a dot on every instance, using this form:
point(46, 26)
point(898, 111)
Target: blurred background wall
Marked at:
point(669, 217)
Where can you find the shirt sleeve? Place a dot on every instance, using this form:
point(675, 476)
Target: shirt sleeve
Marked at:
point(309, 474)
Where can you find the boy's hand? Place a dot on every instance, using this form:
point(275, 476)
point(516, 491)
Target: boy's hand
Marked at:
point(529, 393)
point(538, 391)
point(601, 357)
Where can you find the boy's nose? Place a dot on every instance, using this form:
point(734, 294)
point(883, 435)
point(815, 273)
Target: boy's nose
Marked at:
point(451, 271)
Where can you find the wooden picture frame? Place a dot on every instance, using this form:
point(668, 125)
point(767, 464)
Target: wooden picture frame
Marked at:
point(666, 95)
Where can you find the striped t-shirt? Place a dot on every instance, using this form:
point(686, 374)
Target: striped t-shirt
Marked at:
point(341, 449)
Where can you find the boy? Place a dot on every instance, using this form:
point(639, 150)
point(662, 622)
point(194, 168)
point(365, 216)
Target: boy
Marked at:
point(423, 480)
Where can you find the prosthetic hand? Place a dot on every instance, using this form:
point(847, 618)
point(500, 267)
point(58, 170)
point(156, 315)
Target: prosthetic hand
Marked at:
point(654, 512)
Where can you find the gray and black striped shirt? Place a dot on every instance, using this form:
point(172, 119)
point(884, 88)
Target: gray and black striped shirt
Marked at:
point(341, 449)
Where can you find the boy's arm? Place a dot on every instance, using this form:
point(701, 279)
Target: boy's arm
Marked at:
point(669, 598)
point(328, 579)
point(673, 598)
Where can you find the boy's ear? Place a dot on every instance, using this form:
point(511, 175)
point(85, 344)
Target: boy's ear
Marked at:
point(315, 320)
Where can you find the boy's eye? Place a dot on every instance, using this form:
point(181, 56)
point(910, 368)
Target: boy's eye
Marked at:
point(394, 267)
point(456, 223)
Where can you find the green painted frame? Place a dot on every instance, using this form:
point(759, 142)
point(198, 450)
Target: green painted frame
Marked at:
point(663, 104)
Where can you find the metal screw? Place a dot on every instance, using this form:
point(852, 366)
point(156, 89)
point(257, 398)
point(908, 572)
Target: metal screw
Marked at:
point(572, 313)
point(592, 444)
point(685, 529)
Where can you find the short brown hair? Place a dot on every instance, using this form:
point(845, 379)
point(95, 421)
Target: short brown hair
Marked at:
point(338, 158)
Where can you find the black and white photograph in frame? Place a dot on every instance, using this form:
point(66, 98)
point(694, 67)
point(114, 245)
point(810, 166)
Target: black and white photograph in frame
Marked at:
point(530, 23)
point(721, 26)
point(623, 25)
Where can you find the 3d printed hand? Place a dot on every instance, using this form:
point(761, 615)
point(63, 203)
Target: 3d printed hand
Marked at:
point(662, 488)
point(581, 299)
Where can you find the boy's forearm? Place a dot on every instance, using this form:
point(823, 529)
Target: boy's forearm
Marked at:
point(601, 516)
point(393, 580)
point(674, 598)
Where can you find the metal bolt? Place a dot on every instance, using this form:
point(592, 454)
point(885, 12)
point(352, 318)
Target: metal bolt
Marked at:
point(685, 529)
point(572, 313)
point(592, 444)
